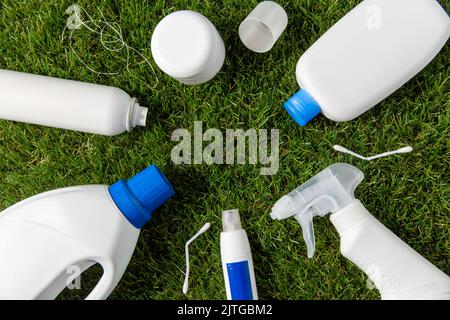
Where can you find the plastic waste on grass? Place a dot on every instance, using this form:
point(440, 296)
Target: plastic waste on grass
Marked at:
point(186, 251)
point(68, 104)
point(237, 259)
point(263, 26)
point(366, 56)
point(43, 237)
point(187, 46)
point(403, 150)
point(396, 269)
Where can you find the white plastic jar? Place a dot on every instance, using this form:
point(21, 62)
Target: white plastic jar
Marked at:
point(187, 46)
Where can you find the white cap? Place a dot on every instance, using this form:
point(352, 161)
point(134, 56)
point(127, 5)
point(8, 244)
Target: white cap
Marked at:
point(187, 46)
point(231, 221)
point(263, 26)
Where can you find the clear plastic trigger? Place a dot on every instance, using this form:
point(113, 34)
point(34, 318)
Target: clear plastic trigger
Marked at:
point(325, 193)
point(320, 206)
point(306, 222)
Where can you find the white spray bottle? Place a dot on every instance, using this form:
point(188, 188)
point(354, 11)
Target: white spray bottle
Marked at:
point(396, 269)
point(48, 240)
point(68, 104)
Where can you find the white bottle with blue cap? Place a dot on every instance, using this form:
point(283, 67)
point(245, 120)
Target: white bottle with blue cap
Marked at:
point(366, 56)
point(47, 240)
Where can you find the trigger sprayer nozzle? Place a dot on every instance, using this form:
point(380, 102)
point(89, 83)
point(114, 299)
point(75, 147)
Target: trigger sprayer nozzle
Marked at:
point(327, 192)
point(283, 209)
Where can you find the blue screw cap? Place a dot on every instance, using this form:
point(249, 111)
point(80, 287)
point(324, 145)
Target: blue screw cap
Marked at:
point(138, 197)
point(302, 107)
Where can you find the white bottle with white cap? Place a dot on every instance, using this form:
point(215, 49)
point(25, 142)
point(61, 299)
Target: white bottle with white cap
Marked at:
point(366, 56)
point(237, 259)
point(68, 104)
point(187, 46)
point(397, 270)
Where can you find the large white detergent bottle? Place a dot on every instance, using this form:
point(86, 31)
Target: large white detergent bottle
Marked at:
point(366, 56)
point(68, 104)
point(45, 239)
point(397, 270)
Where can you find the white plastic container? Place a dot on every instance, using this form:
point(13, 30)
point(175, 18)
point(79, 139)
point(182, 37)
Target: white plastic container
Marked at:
point(366, 56)
point(187, 46)
point(396, 269)
point(261, 29)
point(237, 261)
point(44, 239)
point(68, 104)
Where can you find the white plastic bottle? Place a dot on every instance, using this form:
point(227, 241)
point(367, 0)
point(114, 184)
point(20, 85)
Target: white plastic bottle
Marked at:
point(237, 261)
point(395, 268)
point(366, 56)
point(46, 241)
point(68, 104)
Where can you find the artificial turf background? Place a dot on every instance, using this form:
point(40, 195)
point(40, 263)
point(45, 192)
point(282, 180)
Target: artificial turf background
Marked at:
point(408, 193)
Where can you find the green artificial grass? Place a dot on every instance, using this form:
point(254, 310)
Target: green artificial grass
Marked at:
point(408, 193)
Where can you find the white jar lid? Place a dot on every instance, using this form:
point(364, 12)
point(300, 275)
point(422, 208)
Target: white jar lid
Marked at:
point(184, 43)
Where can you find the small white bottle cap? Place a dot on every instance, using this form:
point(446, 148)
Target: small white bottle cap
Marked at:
point(263, 26)
point(231, 220)
point(187, 46)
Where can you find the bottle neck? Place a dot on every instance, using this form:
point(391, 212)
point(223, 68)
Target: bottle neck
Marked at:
point(302, 107)
point(348, 217)
point(139, 196)
point(128, 204)
point(137, 115)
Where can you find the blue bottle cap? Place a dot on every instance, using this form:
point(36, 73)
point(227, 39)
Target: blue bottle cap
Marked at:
point(138, 197)
point(302, 107)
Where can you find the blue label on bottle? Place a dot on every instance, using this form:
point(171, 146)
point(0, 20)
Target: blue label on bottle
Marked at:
point(240, 282)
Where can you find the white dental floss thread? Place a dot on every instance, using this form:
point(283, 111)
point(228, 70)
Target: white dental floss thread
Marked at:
point(386, 154)
point(186, 277)
point(115, 44)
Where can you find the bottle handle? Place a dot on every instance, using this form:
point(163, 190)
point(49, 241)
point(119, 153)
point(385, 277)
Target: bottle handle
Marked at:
point(106, 284)
point(101, 291)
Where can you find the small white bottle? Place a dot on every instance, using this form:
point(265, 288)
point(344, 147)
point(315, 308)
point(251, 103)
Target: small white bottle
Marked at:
point(237, 259)
point(397, 270)
point(366, 56)
point(48, 240)
point(68, 104)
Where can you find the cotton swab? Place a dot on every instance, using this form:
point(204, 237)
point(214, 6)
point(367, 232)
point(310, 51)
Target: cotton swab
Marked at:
point(386, 154)
point(199, 233)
